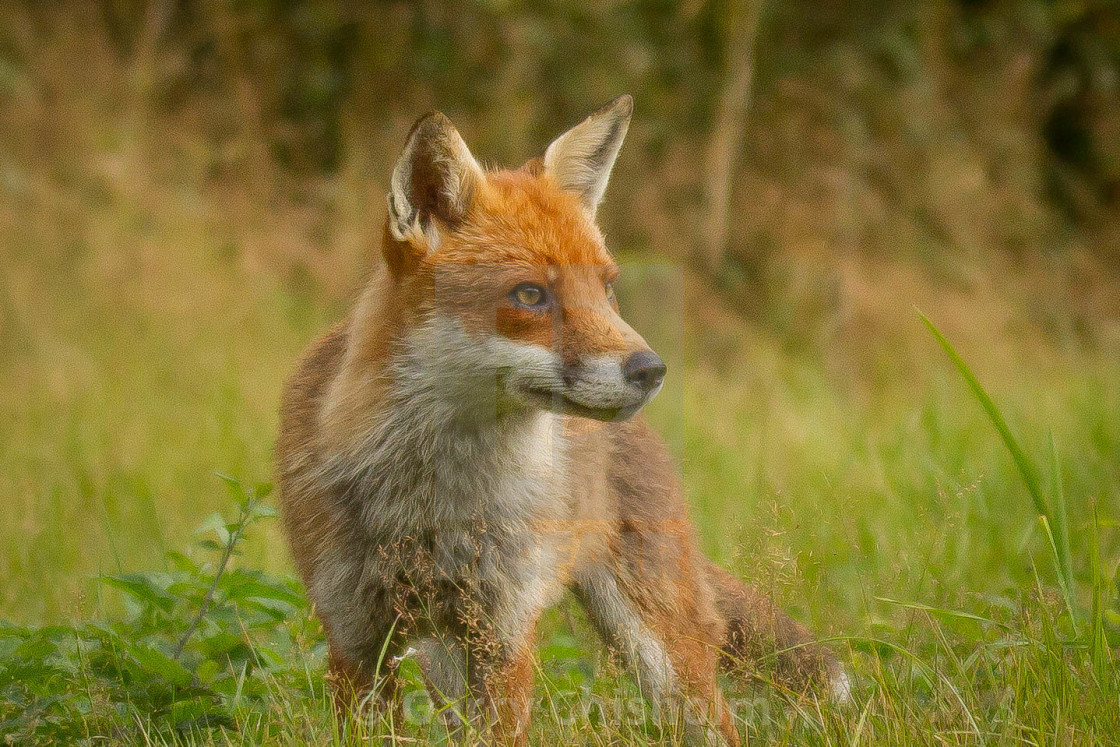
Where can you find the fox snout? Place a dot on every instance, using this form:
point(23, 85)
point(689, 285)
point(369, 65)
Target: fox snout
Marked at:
point(644, 370)
point(601, 387)
point(608, 370)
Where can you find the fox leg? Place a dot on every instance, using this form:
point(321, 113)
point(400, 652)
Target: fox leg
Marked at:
point(501, 683)
point(756, 628)
point(488, 667)
point(479, 683)
point(675, 663)
point(359, 691)
point(349, 682)
point(443, 664)
point(361, 650)
point(494, 637)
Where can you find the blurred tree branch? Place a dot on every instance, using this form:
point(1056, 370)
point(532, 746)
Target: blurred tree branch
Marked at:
point(725, 143)
point(156, 17)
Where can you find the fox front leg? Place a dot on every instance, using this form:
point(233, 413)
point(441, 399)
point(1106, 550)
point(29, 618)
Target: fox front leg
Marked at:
point(501, 683)
point(515, 578)
point(674, 666)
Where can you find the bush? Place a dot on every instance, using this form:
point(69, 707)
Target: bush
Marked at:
point(196, 643)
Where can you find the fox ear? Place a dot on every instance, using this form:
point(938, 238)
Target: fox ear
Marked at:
point(433, 182)
point(581, 159)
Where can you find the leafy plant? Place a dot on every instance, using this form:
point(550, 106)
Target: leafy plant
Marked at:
point(197, 642)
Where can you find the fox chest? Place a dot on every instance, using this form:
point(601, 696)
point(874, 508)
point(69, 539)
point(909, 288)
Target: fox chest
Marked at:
point(478, 520)
point(456, 505)
point(463, 479)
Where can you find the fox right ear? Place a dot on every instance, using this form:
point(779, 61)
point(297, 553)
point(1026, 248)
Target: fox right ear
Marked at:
point(432, 185)
point(581, 159)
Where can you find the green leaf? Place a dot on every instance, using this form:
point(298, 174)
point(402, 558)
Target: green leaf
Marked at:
point(229, 480)
point(36, 648)
point(207, 671)
point(182, 562)
point(238, 587)
point(156, 662)
point(220, 643)
point(216, 523)
point(274, 609)
point(145, 588)
point(263, 511)
point(236, 490)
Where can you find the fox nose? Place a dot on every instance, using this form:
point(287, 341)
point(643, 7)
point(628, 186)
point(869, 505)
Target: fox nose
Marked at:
point(644, 369)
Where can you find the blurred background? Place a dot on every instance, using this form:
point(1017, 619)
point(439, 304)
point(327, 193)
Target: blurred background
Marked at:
point(191, 190)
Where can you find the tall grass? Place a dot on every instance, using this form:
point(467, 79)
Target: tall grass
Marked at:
point(155, 291)
point(1052, 515)
point(210, 653)
point(892, 524)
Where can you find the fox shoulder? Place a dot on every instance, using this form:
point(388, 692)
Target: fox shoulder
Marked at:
point(303, 396)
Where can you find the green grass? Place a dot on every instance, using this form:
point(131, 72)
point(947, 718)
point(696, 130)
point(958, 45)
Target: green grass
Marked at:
point(866, 490)
point(158, 279)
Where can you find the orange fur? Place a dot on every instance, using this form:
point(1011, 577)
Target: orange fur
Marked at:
point(414, 513)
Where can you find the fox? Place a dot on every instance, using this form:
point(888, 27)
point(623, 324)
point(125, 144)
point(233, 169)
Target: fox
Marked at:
point(467, 445)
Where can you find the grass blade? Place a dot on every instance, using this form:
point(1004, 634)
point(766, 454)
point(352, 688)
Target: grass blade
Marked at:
point(1059, 544)
point(1061, 527)
point(1026, 469)
point(1063, 582)
point(941, 612)
point(1099, 652)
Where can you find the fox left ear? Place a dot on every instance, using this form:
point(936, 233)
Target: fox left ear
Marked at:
point(581, 159)
point(433, 182)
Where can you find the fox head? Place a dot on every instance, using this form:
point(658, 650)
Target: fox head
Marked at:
point(510, 277)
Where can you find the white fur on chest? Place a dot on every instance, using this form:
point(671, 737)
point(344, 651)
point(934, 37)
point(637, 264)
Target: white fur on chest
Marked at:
point(446, 449)
point(445, 461)
point(510, 473)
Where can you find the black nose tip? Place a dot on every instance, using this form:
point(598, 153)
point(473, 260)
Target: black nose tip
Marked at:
point(645, 370)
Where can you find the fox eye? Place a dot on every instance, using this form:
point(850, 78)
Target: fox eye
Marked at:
point(529, 295)
point(610, 291)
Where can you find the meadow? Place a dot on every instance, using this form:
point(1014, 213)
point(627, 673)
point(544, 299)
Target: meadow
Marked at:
point(944, 513)
point(868, 492)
